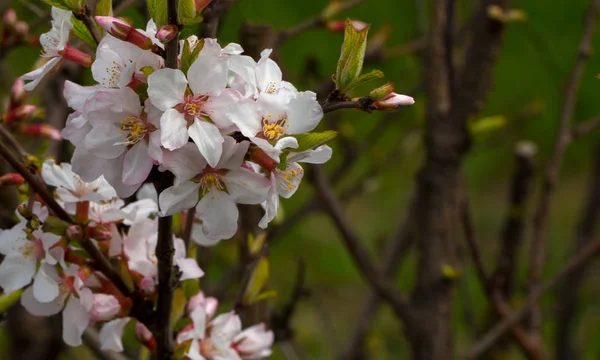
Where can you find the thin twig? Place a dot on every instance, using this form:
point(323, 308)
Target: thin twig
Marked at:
point(165, 250)
point(312, 23)
point(585, 128)
point(491, 337)
point(359, 254)
point(7, 136)
point(87, 18)
point(189, 226)
point(563, 138)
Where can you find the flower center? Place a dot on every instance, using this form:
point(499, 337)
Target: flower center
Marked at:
point(135, 128)
point(113, 75)
point(32, 248)
point(211, 180)
point(271, 88)
point(291, 177)
point(194, 105)
point(274, 129)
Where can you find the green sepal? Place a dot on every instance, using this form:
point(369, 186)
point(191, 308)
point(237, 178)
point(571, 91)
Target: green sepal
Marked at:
point(313, 139)
point(8, 300)
point(258, 280)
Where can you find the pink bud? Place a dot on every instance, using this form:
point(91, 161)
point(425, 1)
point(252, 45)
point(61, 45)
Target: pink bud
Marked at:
point(11, 179)
point(17, 93)
point(19, 113)
point(100, 232)
point(339, 26)
point(21, 29)
point(201, 4)
point(124, 31)
point(167, 33)
point(10, 18)
point(104, 308)
point(145, 336)
point(25, 211)
point(43, 130)
point(77, 56)
point(394, 101)
point(74, 233)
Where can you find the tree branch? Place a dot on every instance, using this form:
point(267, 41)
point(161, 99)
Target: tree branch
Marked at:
point(491, 337)
point(87, 18)
point(359, 254)
point(165, 250)
point(563, 138)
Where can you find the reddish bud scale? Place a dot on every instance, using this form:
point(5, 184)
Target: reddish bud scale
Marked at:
point(18, 113)
point(17, 93)
point(258, 156)
point(82, 211)
point(74, 257)
point(11, 179)
point(43, 130)
point(77, 56)
point(201, 4)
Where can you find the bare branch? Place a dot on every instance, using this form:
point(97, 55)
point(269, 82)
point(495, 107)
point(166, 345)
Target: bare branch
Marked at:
point(563, 138)
point(584, 128)
point(575, 264)
point(359, 254)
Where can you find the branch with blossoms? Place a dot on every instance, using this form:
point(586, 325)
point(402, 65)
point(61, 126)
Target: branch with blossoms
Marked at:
point(172, 127)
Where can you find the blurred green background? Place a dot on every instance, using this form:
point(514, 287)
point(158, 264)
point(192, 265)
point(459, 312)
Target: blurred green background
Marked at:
point(535, 62)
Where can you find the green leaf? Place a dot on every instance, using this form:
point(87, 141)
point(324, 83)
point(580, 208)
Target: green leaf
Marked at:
point(364, 78)
point(488, 124)
point(104, 8)
point(282, 165)
point(255, 244)
point(158, 12)
point(258, 280)
point(142, 91)
point(61, 4)
point(179, 301)
point(265, 295)
point(190, 287)
point(352, 56)
point(312, 140)
point(189, 56)
point(82, 32)
point(187, 12)
point(147, 70)
point(76, 5)
point(8, 300)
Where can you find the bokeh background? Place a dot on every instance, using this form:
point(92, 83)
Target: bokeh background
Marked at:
point(535, 62)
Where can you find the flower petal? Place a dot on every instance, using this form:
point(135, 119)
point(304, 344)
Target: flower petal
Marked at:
point(208, 74)
point(189, 269)
point(173, 130)
point(111, 334)
point(219, 214)
point(45, 288)
point(166, 88)
point(247, 187)
point(184, 163)
point(268, 72)
point(178, 198)
point(304, 113)
point(137, 164)
point(75, 320)
point(208, 139)
point(102, 140)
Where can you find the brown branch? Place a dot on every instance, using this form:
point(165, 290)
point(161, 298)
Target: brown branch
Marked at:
point(576, 263)
point(499, 304)
point(167, 274)
point(563, 138)
point(364, 103)
point(315, 22)
point(212, 17)
point(585, 232)
point(10, 139)
point(584, 128)
point(358, 252)
point(514, 226)
point(392, 256)
point(87, 18)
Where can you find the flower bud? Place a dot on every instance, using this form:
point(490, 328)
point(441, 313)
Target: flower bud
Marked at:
point(210, 304)
point(21, 29)
point(10, 18)
point(201, 4)
point(167, 33)
point(11, 179)
point(24, 211)
point(254, 343)
point(17, 93)
point(74, 233)
point(77, 56)
point(340, 26)
point(124, 31)
point(393, 101)
point(43, 130)
point(100, 232)
point(145, 336)
point(382, 92)
point(261, 158)
point(19, 113)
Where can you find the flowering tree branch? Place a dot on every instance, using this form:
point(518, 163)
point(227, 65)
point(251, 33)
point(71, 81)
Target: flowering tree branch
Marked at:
point(552, 169)
point(167, 275)
point(87, 18)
